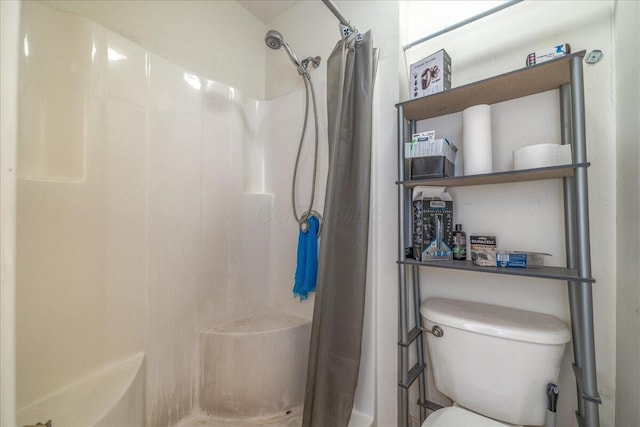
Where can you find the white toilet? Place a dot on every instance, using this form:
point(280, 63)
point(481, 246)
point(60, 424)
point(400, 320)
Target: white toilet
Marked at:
point(493, 362)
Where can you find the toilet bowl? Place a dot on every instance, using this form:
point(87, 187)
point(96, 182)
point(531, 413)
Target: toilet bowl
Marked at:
point(494, 362)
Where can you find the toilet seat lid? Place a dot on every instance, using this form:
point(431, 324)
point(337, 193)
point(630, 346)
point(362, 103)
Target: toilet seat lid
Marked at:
point(454, 416)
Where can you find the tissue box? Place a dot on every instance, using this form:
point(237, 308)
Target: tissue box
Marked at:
point(432, 215)
point(483, 250)
point(430, 75)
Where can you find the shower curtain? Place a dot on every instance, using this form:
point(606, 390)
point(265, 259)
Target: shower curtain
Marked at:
point(336, 331)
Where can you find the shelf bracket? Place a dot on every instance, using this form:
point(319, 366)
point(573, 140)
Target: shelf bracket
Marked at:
point(432, 406)
point(413, 374)
point(578, 373)
point(411, 337)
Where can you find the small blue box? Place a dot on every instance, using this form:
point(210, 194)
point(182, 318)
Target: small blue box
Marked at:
point(509, 259)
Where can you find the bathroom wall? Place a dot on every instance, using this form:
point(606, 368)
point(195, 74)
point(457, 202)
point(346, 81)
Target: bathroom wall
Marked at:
point(9, 34)
point(512, 211)
point(627, 52)
point(269, 167)
point(135, 211)
point(218, 39)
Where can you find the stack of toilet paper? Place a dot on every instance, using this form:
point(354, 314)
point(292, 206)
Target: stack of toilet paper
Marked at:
point(541, 155)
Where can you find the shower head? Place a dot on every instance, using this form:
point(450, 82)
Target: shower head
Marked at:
point(275, 41)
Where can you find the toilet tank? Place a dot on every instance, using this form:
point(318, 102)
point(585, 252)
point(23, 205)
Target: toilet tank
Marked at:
point(493, 360)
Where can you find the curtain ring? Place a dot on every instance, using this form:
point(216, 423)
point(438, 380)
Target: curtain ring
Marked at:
point(304, 224)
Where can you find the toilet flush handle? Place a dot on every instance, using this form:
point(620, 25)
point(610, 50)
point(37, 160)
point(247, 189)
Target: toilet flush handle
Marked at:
point(436, 331)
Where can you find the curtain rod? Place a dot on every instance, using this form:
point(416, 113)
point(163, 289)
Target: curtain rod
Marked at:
point(461, 23)
point(344, 21)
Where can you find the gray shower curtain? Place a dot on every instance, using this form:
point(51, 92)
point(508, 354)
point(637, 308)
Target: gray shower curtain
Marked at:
point(336, 331)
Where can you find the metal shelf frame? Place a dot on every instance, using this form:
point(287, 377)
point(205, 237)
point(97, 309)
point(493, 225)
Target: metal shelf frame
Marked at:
point(565, 74)
point(523, 175)
point(557, 273)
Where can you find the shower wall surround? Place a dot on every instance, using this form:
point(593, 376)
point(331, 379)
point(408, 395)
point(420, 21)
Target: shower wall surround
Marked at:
point(150, 203)
point(218, 39)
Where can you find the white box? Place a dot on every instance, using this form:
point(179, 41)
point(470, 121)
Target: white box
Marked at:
point(433, 147)
point(545, 55)
point(430, 75)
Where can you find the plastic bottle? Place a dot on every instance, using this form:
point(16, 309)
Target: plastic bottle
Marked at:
point(459, 244)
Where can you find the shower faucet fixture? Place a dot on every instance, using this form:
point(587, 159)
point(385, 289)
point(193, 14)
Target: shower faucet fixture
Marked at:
point(275, 41)
point(315, 62)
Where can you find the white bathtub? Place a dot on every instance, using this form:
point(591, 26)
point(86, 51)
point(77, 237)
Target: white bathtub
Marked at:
point(113, 397)
point(255, 366)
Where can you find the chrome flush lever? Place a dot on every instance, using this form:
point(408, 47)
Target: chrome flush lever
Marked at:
point(436, 331)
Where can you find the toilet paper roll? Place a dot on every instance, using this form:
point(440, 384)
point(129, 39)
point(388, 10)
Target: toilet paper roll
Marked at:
point(476, 137)
point(541, 155)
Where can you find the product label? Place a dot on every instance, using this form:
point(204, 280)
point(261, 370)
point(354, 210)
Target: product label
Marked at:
point(483, 240)
point(483, 250)
point(459, 246)
point(506, 259)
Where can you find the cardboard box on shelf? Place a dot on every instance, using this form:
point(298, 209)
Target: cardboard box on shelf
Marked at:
point(545, 55)
point(430, 75)
point(432, 218)
point(520, 259)
point(483, 250)
point(511, 259)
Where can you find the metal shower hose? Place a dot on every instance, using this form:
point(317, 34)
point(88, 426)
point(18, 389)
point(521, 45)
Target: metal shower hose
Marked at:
point(302, 219)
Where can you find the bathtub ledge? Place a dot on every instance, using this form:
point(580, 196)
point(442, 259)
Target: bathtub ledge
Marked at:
point(91, 401)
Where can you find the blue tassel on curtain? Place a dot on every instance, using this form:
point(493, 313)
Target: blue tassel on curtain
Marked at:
point(307, 264)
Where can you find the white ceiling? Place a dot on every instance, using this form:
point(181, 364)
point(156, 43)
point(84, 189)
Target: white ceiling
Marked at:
point(267, 10)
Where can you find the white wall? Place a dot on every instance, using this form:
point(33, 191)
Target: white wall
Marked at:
point(627, 52)
point(9, 35)
point(498, 44)
point(218, 39)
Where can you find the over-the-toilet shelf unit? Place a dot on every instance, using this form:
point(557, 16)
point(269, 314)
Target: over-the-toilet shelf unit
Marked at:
point(566, 75)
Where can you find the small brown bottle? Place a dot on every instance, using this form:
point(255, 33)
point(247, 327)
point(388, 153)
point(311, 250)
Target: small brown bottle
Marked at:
point(459, 244)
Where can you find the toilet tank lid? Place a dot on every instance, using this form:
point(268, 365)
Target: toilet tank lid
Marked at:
point(498, 321)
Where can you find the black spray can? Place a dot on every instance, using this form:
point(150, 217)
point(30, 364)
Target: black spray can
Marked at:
point(459, 244)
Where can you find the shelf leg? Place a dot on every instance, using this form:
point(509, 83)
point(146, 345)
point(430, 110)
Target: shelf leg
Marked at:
point(403, 351)
point(570, 238)
point(590, 396)
point(422, 380)
point(584, 291)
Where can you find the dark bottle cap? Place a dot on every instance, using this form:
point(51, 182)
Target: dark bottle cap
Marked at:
point(458, 227)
